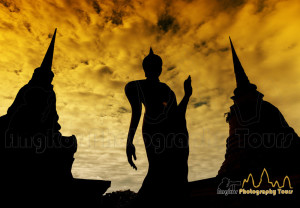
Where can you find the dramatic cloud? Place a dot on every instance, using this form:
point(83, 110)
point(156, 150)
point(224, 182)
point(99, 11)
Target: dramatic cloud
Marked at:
point(100, 46)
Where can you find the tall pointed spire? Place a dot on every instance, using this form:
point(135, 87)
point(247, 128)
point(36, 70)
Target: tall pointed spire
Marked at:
point(240, 75)
point(47, 62)
point(151, 51)
point(242, 82)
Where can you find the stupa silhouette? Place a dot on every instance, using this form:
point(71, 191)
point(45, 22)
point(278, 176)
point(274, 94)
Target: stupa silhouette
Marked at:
point(37, 159)
point(259, 137)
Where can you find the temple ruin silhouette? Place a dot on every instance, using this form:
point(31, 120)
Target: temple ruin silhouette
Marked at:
point(259, 138)
point(37, 158)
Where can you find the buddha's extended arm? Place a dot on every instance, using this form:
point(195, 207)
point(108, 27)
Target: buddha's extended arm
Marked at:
point(185, 100)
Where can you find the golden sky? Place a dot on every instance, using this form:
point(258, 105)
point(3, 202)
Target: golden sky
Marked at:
point(100, 46)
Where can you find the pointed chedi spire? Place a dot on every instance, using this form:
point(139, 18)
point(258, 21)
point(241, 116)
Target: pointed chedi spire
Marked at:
point(242, 81)
point(240, 75)
point(151, 51)
point(47, 62)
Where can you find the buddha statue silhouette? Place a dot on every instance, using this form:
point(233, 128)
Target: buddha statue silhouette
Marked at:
point(164, 132)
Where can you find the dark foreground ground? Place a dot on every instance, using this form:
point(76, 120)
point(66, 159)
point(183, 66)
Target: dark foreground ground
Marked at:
point(118, 199)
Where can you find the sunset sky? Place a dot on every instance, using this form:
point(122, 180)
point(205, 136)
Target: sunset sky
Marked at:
point(100, 46)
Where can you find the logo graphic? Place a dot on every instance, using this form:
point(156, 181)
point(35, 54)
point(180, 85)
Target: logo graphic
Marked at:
point(265, 186)
point(228, 187)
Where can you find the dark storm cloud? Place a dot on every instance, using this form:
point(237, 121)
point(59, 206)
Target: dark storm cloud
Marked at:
point(224, 49)
point(96, 6)
point(201, 103)
point(229, 4)
point(200, 45)
point(10, 5)
point(123, 109)
point(8, 97)
point(88, 95)
point(260, 6)
point(198, 103)
point(117, 84)
point(7, 25)
point(207, 50)
point(17, 72)
point(5, 3)
point(86, 62)
point(166, 22)
point(116, 17)
point(74, 66)
point(27, 26)
point(105, 70)
point(83, 16)
point(170, 68)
